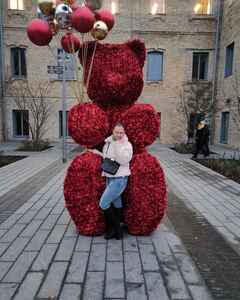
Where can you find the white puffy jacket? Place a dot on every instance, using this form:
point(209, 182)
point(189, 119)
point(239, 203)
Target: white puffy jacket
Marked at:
point(120, 151)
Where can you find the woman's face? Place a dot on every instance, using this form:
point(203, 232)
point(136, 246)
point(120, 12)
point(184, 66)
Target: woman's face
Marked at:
point(118, 133)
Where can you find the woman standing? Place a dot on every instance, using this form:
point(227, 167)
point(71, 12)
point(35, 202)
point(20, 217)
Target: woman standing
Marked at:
point(118, 148)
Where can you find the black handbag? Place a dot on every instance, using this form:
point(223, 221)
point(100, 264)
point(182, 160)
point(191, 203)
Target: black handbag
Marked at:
point(109, 165)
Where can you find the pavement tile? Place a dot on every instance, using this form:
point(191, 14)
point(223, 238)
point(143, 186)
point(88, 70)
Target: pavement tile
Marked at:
point(52, 283)
point(114, 280)
point(155, 286)
point(65, 249)
point(20, 267)
point(93, 288)
point(37, 241)
point(44, 257)
point(77, 267)
point(7, 290)
point(97, 257)
point(15, 249)
point(133, 268)
point(137, 291)
point(148, 256)
point(29, 287)
point(71, 292)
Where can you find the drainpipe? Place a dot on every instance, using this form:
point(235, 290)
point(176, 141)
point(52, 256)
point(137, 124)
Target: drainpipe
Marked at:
point(2, 72)
point(220, 8)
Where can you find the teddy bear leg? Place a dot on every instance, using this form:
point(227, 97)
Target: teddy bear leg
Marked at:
point(145, 196)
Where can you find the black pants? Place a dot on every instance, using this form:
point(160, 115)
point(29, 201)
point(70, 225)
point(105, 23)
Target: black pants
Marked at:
point(202, 147)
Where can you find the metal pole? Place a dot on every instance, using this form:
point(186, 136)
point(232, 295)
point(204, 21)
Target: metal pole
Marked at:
point(64, 92)
point(2, 72)
point(220, 6)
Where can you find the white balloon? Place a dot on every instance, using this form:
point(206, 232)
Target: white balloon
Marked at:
point(62, 15)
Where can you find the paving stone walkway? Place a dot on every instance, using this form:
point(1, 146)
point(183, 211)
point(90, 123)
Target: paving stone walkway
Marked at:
point(17, 173)
point(210, 194)
point(42, 257)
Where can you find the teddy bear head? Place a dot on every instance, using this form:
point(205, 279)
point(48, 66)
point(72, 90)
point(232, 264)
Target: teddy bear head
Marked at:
point(113, 72)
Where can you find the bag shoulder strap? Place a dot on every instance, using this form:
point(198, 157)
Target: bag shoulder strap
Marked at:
point(108, 147)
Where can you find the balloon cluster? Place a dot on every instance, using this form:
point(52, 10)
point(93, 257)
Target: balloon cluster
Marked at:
point(68, 15)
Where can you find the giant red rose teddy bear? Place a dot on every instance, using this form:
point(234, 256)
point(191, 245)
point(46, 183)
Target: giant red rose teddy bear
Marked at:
point(116, 82)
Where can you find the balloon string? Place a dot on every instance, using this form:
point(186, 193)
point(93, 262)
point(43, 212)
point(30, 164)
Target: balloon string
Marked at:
point(75, 84)
point(52, 52)
point(83, 67)
point(91, 65)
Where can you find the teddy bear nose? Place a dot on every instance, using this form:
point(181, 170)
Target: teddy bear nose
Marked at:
point(115, 79)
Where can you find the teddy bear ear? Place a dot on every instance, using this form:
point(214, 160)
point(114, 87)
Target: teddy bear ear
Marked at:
point(86, 50)
point(138, 47)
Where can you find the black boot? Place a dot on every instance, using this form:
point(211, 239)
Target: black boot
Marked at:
point(119, 213)
point(110, 232)
point(115, 221)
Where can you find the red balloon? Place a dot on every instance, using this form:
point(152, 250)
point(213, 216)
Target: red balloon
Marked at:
point(70, 43)
point(106, 16)
point(39, 32)
point(83, 19)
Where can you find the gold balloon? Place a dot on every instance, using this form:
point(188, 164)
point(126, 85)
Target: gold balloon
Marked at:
point(46, 6)
point(69, 2)
point(99, 31)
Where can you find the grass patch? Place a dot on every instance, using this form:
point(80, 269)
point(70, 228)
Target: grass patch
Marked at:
point(184, 148)
point(33, 146)
point(229, 168)
point(9, 159)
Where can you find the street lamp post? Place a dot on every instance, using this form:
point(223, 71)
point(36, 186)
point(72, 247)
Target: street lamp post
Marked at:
point(64, 121)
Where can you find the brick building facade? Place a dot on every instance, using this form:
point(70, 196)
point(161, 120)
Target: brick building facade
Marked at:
point(180, 40)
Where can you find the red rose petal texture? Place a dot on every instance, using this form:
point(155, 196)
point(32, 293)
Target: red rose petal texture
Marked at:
point(145, 196)
point(142, 125)
point(87, 124)
point(83, 188)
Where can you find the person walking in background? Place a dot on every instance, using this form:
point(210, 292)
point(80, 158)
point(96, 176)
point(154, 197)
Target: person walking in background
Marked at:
point(202, 139)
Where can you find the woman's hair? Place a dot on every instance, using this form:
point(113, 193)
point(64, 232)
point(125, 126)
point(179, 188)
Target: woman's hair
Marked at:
point(119, 124)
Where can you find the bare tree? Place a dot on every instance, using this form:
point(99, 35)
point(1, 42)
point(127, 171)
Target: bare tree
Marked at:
point(195, 102)
point(33, 98)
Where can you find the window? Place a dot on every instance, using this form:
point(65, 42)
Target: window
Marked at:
point(16, 4)
point(200, 66)
point(70, 65)
point(224, 127)
point(203, 7)
point(229, 60)
point(112, 5)
point(157, 7)
point(18, 62)
point(154, 66)
point(20, 123)
point(61, 124)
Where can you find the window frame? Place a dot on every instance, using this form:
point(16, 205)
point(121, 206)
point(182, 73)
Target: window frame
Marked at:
point(163, 12)
point(160, 52)
point(229, 72)
point(202, 13)
point(14, 111)
point(18, 6)
point(200, 53)
point(20, 64)
point(108, 5)
point(60, 122)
